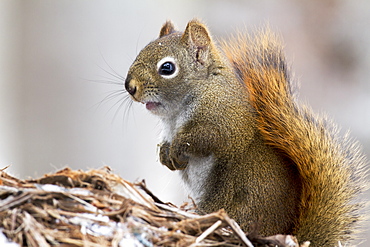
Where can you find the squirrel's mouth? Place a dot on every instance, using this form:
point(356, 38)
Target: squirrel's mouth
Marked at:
point(151, 106)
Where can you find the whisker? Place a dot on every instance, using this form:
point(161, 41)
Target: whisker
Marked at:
point(110, 96)
point(126, 100)
point(121, 99)
point(138, 39)
point(114, 74)
point(108, 81)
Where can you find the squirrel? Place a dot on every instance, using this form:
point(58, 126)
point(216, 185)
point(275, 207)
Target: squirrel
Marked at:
point(233, 129)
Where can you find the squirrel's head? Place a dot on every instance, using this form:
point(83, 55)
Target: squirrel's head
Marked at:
point(165, 72)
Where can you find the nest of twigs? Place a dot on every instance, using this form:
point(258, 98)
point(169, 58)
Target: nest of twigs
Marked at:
point(98, 208)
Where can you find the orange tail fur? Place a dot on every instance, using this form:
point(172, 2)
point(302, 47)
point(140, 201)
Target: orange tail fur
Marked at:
point(331, 168)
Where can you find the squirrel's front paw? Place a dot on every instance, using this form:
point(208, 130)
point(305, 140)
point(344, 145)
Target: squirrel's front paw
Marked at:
point(170, 159)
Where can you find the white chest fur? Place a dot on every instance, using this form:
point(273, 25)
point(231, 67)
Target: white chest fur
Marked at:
point(198, 169)
point(196, 174)
point(171, 125)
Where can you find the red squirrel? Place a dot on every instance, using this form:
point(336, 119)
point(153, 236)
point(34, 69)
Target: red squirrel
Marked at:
point(235, 132)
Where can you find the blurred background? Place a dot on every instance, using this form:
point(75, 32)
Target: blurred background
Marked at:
point(58, 60)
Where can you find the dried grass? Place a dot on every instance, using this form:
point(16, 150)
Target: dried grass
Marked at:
point(98, 208)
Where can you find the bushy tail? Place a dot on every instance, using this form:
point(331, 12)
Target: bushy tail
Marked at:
point(331, 168)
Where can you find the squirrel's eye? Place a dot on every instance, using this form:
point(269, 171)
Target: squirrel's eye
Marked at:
point(167, 67)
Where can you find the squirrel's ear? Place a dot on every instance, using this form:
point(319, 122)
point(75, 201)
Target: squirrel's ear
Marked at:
point(167, 29)
point(196, 37)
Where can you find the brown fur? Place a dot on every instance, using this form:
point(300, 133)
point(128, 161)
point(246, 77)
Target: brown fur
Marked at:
point(331, 169)
point(255, 152)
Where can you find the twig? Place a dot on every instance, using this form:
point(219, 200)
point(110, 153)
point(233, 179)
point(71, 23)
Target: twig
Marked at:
point(238, 231)
point(4, 168)
point(208, 231)
point(142, 186)
point(177, 211)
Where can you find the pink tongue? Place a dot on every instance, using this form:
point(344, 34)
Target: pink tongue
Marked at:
point(152, 105)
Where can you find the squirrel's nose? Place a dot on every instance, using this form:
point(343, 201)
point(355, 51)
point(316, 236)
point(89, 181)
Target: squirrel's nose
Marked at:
point(130, 87)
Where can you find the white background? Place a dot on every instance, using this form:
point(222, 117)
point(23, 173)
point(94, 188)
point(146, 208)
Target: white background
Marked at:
point(53, 52)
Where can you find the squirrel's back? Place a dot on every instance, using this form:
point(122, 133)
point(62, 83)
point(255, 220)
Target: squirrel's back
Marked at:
point(332, 168)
